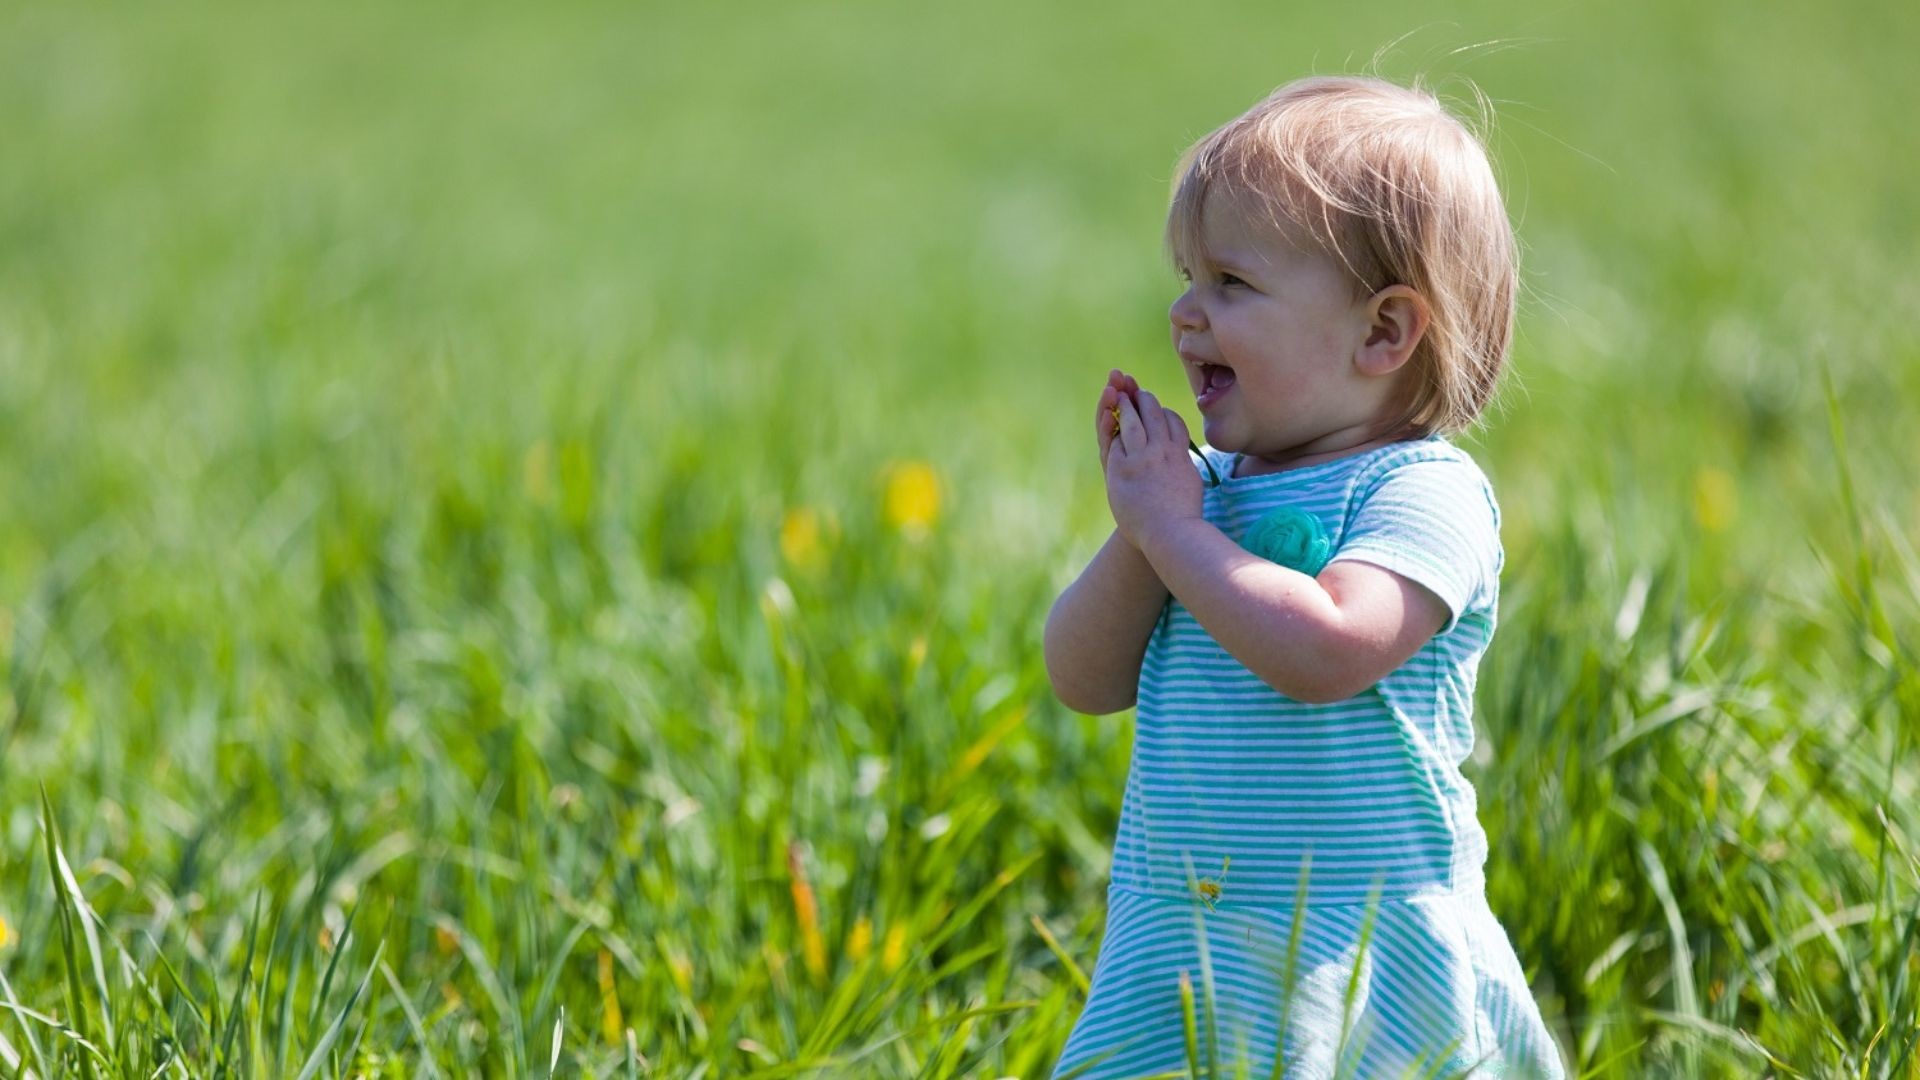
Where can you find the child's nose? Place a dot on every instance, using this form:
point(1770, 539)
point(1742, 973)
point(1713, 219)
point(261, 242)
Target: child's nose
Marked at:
point(1185, 313)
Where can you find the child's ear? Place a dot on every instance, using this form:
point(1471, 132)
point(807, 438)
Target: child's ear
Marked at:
point(1397, 318)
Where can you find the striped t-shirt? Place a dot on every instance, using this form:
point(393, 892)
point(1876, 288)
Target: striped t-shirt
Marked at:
point(1234, 788)
point(1226, 767)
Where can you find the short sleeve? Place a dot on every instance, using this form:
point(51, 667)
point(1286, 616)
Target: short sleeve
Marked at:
point(1434, 522)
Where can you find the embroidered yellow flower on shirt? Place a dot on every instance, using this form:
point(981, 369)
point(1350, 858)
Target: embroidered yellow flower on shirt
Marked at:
point(1292, 537)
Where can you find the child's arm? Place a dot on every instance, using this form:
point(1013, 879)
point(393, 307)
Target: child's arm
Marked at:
point(1316, 640)
point(1098, 629)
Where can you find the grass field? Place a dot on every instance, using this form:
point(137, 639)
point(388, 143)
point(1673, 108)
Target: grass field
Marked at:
point(524, 533)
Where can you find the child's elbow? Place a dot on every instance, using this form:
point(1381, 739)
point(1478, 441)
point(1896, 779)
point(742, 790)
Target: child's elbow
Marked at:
point(1071, 684)
point(1318, 686)
point(1092, 702)
point(1085, 697)
point(1320, 693)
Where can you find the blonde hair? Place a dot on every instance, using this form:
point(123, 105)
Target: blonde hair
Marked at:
point(1388, 181)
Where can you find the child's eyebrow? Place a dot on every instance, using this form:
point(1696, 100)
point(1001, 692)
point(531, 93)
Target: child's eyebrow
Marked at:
point(1231, 262)
point(1240, 263)
point(1237, 258)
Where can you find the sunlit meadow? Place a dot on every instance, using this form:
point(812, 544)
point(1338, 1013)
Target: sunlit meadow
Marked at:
point(524, 531)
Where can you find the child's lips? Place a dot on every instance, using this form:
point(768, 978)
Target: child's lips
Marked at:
point(1217, 381)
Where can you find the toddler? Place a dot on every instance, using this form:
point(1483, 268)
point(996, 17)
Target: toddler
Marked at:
point(1298, 617)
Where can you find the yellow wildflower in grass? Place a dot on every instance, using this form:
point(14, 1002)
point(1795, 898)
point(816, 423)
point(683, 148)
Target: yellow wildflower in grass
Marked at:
point(860, 939)
point(6, 933)
point(1716, 502)
point(912, 502)
point(1209, 889)
point(680, 968)
point(807, 912)
point(776, 967)
point(801, 537)
point(896, 948)
point(610, 1022)
point(916, 657)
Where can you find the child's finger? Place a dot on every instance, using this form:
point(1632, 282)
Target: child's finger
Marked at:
point(1177, 428)
point(1105, 426)
point(1152, 417)
point(1118, 382)
point(1108, 395)
point(1133, 436)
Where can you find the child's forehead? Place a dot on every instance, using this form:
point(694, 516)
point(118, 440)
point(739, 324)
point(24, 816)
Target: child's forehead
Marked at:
point(1240, 228)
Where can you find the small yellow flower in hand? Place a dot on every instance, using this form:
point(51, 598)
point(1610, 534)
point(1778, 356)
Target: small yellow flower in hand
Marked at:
point(1213, 478)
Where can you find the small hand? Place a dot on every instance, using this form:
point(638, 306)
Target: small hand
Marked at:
point(1150, 477)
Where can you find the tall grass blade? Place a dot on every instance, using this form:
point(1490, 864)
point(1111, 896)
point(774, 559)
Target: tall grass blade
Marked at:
point(413, 1021)
point(84, 914)
point(182, 996)
point(1342, 1052)
point(60, 1029)
point(33, 1043)
point(1290, 970)
point(236, 1008)
point(284, 1048)
point(551, 978)
point(319, 1055)
point(76, 998)
point(1686, 1001)
point(1078, 976)
point(1207, 999)
point(1189, 1024)
point(326, 979)
point(955, 1047)
point(366, 1021)
point(489, 978)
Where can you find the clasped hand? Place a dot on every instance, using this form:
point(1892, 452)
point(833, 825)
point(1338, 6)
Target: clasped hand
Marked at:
point(1151, 482)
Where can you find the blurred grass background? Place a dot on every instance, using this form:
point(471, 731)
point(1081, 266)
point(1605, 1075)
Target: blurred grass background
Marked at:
point(539, 519)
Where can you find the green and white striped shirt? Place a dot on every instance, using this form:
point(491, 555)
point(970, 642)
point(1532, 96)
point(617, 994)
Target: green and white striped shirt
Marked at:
point(1224, 766)
point(1236, 791)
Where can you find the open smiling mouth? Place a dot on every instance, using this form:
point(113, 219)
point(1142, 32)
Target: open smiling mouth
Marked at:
point(1219, 380)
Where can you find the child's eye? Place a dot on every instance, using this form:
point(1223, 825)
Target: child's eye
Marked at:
point(1229, 279)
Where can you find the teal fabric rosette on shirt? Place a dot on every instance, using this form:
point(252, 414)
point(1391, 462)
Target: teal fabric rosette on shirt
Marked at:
point(1293, 538)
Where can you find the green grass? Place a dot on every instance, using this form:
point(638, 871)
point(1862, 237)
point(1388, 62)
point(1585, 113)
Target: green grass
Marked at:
point(399, 409)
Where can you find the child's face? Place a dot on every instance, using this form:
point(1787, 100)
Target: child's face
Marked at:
point(1268, 331)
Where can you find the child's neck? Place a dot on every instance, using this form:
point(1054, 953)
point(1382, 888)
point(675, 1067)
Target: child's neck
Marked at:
point(1246, 465)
